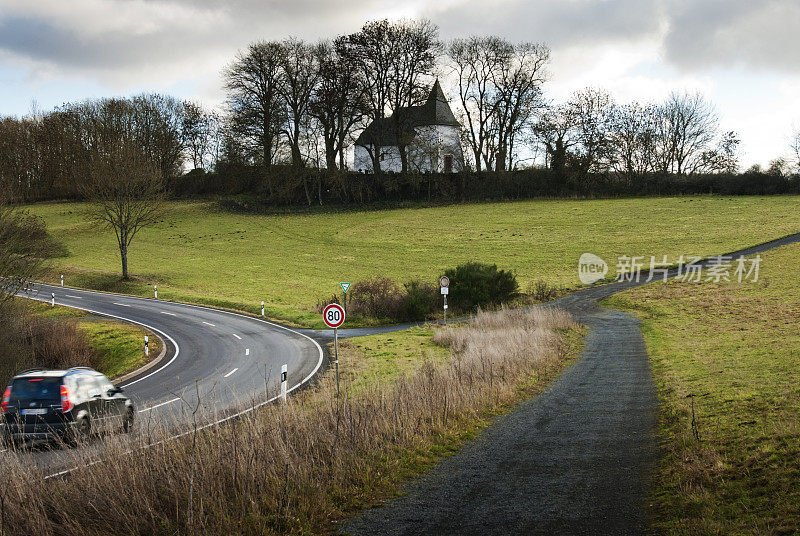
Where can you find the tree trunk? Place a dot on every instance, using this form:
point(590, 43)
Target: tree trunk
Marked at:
point(123, 253)
point(330, 155)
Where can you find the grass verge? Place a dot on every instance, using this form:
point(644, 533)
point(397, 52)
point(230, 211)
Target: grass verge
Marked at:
point(302, 467)
point(199, 254)
point(118, 347)
point(726, 360)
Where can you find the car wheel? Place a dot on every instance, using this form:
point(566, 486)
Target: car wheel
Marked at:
point(127, 424)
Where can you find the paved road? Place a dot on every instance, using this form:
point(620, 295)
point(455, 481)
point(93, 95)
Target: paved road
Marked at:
point(236, 360)
point(574, 460)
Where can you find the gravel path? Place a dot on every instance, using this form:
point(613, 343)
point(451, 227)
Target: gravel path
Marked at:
point(574, 460)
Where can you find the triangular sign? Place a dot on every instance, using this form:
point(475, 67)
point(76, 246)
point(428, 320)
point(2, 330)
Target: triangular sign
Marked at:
point(345, 287)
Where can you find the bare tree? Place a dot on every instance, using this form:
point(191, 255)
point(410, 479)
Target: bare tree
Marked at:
point(686, 127)
point(518, 82)
point(300, 75)
point(555, 130)
point(499, 87)
point(338, 103)
point(126, 188)
point(24, 243)
point(632, 140)
point(200, 132)
point(796, 150)
point(475, 62)
point(253, 82)
point(591, 110)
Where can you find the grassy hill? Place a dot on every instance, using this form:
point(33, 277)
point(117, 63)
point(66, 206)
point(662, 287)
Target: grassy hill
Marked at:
point(204, 255)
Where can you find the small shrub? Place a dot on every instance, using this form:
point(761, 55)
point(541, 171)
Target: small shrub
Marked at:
point(420, 299)
point(542, 291)
point(474, 285)
point(321, 304)
point(376, 298)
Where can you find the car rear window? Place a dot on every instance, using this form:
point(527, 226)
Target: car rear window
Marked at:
point(36, 389)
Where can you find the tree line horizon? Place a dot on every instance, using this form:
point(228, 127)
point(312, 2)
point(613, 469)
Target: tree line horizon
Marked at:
point(299, 105)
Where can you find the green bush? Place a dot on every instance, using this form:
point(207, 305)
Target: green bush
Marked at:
point(420, 300)
point(474, 285)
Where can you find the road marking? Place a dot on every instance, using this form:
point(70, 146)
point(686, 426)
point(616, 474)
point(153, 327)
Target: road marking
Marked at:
point(210, 324)
point(247, 351)
point(159, 405)
point(121, 304)
point(166, 313)
point(74, 297)
point(238, 337)
point(231, 372)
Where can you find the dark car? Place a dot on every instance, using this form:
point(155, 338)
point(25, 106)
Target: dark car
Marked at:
point(67, 404)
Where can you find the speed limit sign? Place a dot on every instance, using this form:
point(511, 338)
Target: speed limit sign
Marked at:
point(333, 315)
point(444, 281)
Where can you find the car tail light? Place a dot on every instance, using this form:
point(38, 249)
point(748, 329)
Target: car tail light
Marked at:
point(66, 403)
point(6, 397)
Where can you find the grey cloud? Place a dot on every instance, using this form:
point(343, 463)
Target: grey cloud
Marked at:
point(723, 33)
point(555, 22)
point(240, 22)
point(702, 33)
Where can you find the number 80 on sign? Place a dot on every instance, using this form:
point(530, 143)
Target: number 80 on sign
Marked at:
point(333, 315)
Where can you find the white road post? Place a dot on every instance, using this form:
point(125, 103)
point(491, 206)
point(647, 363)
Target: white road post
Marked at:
point(262, 307)
point(62, 280)
point(155, 290)
point(146, 346)
point(52, 299)
point(284, 373)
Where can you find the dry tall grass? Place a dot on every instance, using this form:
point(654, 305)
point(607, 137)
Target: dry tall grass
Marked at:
point(300, 467)
point(29, 342)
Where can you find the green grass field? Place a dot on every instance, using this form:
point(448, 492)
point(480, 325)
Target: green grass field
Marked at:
point(203, 255)
point(733, 349)
point(120, 346)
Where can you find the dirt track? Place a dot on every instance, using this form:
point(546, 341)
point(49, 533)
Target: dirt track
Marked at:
point(574, 460)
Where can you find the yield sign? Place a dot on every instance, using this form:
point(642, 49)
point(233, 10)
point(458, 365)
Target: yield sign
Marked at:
point(345, 287)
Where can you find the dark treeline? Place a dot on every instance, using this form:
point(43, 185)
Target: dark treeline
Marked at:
point(294, 109)
point(246, 189)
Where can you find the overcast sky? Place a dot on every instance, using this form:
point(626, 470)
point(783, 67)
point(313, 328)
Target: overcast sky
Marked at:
point(744, 55)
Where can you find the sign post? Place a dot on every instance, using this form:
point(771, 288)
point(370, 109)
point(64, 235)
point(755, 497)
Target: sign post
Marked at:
point(333, 316)
point(345, 288)
point(444, 284)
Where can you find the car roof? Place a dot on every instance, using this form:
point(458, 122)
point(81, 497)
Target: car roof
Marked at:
point(53, 373)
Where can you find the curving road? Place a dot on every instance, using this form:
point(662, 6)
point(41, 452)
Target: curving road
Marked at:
point(233, 360)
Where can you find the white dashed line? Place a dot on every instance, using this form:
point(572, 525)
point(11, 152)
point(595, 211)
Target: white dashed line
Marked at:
point(247, 351)
point(121, 304)
point(231, 372)
point(159, 405)
point(238, 337)
point(73, 297)
point(210, 324)
point(166, 313)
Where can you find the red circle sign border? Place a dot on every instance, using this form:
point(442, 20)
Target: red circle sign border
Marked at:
point(325, 315)
point(444, 281)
